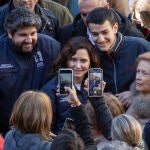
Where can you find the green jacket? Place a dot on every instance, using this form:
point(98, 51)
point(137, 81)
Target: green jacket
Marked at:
point(59, 10)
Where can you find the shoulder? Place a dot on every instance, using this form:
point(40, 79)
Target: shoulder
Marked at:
point(51, 84)
point(45, 145)
point(45, 39)
point(136, 41)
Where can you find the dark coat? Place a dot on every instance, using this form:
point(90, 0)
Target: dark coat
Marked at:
point(20, 72)
point(83, 126)
point(103, 115)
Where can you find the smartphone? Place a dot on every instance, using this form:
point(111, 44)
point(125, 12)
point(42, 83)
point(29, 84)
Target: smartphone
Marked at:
point(69, 124)
point(65, 78)
point(95, 82)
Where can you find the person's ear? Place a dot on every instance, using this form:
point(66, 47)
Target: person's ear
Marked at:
point(107, 5)
point(9, 35)
point(115, 27)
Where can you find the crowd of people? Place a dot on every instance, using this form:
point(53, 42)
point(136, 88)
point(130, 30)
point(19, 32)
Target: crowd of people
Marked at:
point(40, 37)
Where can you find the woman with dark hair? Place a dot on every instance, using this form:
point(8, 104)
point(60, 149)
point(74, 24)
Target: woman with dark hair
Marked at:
point(79, 55)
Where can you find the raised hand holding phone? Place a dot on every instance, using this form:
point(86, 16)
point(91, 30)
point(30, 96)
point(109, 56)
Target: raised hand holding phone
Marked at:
point(95, 88)
point(65, 79)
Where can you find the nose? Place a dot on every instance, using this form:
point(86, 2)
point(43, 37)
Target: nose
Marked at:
point(138, 76)
point(78, 64)
point(28, 39)
point(100, 38)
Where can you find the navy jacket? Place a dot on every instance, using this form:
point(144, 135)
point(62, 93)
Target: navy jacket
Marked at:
point(60, 104)
point(50, 23)
point(77, 28)
point(119, 65)
point(16, 140)
point(20, 72)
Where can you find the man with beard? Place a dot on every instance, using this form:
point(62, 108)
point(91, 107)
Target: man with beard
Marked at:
point(25, 60)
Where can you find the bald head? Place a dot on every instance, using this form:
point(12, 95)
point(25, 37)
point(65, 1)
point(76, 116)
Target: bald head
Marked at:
point(87, 6)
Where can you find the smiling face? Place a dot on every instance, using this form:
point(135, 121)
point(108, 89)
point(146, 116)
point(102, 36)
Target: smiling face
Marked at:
point(79, 63)
point(103, 34)
point(143, 77)
point(24, 39)
point(25, 3)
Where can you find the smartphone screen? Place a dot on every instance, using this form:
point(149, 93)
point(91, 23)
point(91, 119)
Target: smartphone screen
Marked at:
point(65, 79)
point(95, 82)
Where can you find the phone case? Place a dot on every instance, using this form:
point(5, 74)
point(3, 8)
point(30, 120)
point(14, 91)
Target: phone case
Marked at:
point(65, 78)
point(95, 82)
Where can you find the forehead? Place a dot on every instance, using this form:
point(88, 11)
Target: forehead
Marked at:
point(88, 5)
point(82, 52)
point(26, 30)
point(144, 64)
point(100, 27)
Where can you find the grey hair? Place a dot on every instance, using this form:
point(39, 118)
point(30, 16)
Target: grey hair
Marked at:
point(20, 18)
point(115, 145)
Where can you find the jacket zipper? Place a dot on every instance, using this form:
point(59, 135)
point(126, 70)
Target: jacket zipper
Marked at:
point(115, 76)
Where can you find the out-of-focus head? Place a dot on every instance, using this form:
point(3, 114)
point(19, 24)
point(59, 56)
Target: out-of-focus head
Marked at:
point(143, 73)
point(115, 106)
point(32, 113)
point(30, 4)
point(87, 6)
point(141, 13)
point(103, 27)
point(126, 128)
point(22, 26)
point(67, 140)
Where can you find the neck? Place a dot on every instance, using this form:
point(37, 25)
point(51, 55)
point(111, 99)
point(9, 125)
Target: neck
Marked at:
point(77, 80)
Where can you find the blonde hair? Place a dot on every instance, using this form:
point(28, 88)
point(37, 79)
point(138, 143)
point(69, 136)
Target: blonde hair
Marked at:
point(32, 113)
point(143, 8)
point(126, 128)
point(145, 56)
point(115, 106)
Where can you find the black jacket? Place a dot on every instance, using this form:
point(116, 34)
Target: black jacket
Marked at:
point(77, 28)
point(103, 115)
point(50, 23)
point(83, 126)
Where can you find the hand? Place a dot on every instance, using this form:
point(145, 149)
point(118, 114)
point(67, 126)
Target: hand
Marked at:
point(72, 96)
point(86, 85)
point(125, 98)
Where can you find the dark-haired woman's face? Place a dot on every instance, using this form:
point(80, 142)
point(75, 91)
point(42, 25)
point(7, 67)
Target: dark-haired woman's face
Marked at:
point(79, 63)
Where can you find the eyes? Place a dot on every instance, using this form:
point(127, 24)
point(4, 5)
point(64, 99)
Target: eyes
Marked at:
point(81, 60)
point(95, 34)
point(143, 72)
